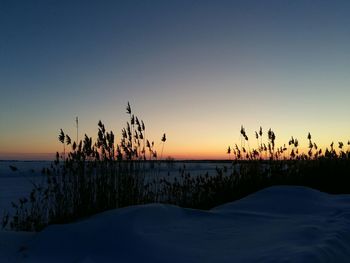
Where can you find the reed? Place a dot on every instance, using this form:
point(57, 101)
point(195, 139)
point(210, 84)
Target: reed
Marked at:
point(102, 175)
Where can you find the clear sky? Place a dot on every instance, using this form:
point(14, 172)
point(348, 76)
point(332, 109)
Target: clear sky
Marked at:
point(196, 70)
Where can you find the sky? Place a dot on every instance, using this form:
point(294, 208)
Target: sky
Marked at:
point(195, 70)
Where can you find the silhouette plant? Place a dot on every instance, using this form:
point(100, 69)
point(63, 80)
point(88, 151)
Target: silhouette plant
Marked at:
point(92, 177)
point(104, 175)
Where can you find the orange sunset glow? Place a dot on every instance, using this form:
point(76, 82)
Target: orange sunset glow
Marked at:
point(196, 75)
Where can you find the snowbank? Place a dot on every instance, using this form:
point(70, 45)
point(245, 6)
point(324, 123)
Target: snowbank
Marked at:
point(278, 224)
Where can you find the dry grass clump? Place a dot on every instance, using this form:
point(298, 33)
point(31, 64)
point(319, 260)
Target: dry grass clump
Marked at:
point(94, 177)
point(325, 170)
point(90, 178)
point(268, 150)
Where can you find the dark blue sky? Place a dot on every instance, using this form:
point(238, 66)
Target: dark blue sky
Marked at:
point(184, 65)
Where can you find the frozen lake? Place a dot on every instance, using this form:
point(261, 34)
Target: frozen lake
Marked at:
point(18, 183)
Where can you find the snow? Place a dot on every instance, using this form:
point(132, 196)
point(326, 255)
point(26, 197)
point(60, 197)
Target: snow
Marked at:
point(277, 224)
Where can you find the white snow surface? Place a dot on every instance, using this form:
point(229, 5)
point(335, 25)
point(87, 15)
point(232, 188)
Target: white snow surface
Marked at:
point(277, 224)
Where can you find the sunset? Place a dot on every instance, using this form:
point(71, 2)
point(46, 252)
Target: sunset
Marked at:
point(195, 70)
point(174, 109)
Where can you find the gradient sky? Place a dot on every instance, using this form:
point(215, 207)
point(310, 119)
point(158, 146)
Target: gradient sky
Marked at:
point(196, 70)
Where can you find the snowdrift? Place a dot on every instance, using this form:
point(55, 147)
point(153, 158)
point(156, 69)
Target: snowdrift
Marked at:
point(277, 224)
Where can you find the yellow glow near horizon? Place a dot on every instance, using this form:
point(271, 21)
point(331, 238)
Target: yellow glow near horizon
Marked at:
point(205, 145)
point(196, 71)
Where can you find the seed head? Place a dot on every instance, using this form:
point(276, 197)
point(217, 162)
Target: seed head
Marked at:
point(128, 109)
point(164, 138)
point(61, 136)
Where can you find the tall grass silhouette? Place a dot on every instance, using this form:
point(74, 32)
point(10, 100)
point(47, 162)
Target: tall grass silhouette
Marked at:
point(94, 177)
